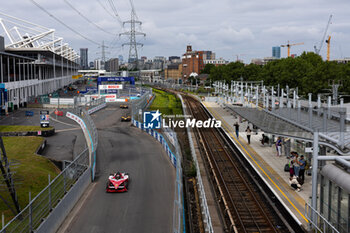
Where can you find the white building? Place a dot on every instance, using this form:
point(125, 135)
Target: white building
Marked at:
point(33, 62)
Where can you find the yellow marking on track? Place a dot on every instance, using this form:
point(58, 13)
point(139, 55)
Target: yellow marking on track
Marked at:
point(224, 123)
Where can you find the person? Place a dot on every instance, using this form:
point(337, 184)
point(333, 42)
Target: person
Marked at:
point(302, 164)
point(249, 132)
point(291, 169)
point(264, 139)
point(117, 175)
point(236, 125)
point(279, 147)
point(296, 164)
point(294, 183)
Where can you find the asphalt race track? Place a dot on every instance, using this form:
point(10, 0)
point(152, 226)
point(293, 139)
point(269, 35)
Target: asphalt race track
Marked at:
point(148, 205)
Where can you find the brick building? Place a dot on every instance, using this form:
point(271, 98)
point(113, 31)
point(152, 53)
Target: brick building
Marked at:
point(174, 72)
point(192, 61)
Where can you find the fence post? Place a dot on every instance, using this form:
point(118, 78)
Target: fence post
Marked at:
point(3, 222)
point(30, 213)
point(64, 182)
point(50, 205)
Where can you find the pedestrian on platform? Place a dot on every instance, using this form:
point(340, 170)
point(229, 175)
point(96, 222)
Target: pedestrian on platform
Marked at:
point(279, 146)
point(302, 164)
point(236, 125)
point(296, 164)
point(294, 183)
point(249, 133)
point(291, 169)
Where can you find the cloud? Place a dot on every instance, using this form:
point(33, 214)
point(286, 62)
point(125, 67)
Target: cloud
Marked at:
point(226, 27)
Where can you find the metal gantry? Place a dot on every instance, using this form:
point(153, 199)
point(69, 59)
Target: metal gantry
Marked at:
point(133, 56)
point(22, 34)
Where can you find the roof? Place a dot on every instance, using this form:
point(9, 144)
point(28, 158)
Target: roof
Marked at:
point(283, 122)
point(18, 56)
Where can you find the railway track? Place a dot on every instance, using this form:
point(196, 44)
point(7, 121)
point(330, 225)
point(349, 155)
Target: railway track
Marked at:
point(244, 207)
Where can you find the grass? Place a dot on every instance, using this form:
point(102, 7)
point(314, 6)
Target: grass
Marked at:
point(31, 170)
point(167, 103)
point(22, 128)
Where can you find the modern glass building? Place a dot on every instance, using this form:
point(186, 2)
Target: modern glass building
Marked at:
point(276, 52)
point(84, 64)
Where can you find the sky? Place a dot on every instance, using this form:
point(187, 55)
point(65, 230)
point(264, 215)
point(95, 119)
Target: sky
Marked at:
point(230, 28)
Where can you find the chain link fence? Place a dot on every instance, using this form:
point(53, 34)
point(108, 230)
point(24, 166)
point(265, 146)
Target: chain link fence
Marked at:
point(40, 207)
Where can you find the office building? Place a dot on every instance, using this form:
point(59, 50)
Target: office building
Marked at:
point(84, 64)
point(276, 52)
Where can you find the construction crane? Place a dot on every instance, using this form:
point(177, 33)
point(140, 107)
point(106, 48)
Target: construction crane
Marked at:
point(289, 45)
point(328, 47)
point(318, 50)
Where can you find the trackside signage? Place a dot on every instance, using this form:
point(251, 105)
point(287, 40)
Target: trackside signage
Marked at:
point(153, 120)
point(110, 87)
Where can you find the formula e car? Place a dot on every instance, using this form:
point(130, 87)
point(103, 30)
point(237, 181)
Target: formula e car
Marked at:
point(124, 106)
point(117, 182)
point(126, 118)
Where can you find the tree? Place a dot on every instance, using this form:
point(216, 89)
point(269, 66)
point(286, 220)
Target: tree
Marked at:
point(207, 68)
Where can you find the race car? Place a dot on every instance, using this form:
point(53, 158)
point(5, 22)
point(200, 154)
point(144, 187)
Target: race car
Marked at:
point(117, 182)
point(124, 106)
point(126, 118)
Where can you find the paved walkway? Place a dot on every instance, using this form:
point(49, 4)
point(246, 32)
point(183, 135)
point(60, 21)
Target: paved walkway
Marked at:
point(265, 162)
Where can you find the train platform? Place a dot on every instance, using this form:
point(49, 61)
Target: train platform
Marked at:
point(265, 160)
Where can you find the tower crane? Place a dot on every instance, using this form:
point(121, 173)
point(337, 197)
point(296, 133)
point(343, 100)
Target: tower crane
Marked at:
point(328, 41)
point(289, 45)
point(318, 50)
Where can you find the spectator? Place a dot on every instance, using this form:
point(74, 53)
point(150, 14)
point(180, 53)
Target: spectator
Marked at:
point(249, 133)
point(302, 164)
point(236, 125)
point(294, 183)
point(296, 164)
point(279, 147)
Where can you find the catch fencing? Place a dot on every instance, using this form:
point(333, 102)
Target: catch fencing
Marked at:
point(45, 203)
point(39, 207)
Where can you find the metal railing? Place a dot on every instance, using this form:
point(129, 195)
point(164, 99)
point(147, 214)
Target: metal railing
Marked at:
point(321, 224)
point(40, 206)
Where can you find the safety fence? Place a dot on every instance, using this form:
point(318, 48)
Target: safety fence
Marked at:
point(201, 191)
point(138, 105)
point(45, 203)
point(39, 207)
point(321, 224)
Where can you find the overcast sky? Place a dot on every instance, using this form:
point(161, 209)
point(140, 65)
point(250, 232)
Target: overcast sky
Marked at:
point(227, 27)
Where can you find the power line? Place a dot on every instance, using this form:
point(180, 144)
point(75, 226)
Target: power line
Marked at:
point(114, 9)
point(61, 22)
point(101, 4)
point(86, 18)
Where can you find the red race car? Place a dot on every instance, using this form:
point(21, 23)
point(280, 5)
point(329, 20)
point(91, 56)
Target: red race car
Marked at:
point(117, 182)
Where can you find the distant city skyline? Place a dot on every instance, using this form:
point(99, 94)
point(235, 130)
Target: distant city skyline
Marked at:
point(228, 28)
